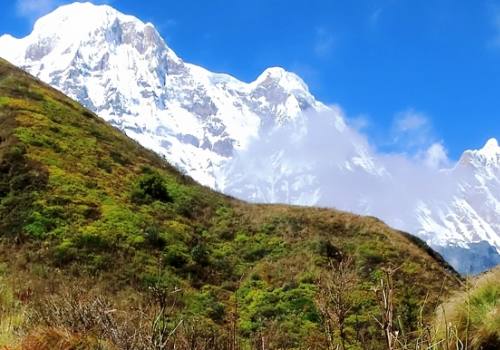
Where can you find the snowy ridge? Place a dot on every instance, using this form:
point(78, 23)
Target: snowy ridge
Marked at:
point(473, 214)
point(254, 140)
point(122, 69)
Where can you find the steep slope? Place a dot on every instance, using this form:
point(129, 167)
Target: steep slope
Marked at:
point(82, 204)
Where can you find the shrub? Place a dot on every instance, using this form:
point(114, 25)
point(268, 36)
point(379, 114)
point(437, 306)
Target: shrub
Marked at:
point(65, 252)
point(326, 249)
point(119, 158)
point(105, 165)
point(39, 225)
point(200, 254)
point(151, 187)
point(82, 320)
point(92, 241)
point(177, 256)
point(20, 180)
point(206, 303)
point(154, 237)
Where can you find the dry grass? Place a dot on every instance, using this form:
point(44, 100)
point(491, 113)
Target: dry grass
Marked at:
point(473, 315)
point(61, 339)
point(13, 310)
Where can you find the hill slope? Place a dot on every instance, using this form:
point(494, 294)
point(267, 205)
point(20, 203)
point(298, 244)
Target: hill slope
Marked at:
point(82, 204)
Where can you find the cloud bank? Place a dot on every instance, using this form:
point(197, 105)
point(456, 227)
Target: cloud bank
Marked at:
point(319, 160)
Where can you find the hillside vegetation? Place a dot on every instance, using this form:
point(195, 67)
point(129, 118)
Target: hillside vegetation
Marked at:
point(106, 246)
point(473, 313)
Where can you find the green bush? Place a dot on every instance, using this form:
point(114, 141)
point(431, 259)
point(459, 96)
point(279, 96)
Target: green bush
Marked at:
point(200, 254)
point(92, 242)
point(326, 249)
point(39, 225)
point(154, 237)
point(65, 252)
point(105, 165)
point(151, 187)
point(207, 303)
point(292, 305)
point(177, 256)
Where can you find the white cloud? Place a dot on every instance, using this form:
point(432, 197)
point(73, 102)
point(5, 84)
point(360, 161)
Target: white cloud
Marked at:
point(33, 9)
point(412, 131)
point(324, 42)
point(317, 161)
point(436, 156)
point(409, 120)
point(359, 122)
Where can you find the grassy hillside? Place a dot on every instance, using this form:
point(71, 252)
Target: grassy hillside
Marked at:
point(100, 237)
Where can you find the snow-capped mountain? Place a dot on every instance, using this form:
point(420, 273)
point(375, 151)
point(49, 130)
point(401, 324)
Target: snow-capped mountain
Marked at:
point(465, 226)
point(267, 140)
point(121, 68)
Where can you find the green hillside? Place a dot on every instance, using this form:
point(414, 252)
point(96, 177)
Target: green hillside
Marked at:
point(94, 227)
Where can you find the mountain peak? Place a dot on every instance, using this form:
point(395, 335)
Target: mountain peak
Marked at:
point(278, 75)
point(491, 147)
point(84, 32)
point(486, 156)
point(70, 25)
point(490, 152)
point(80, 16)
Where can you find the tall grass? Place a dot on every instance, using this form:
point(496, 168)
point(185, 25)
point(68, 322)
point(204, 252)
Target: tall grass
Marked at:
point(474, 314)
point(469, 320)
point(12, 313)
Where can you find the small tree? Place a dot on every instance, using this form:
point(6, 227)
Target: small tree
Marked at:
point(335, 300)
point(162, 331)
point(385, 297)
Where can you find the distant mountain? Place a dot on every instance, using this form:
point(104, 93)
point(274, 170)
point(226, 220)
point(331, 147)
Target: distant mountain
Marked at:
point(465, 225)
point(235, 136)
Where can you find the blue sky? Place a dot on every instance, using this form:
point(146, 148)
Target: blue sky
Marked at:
point(409, 73)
